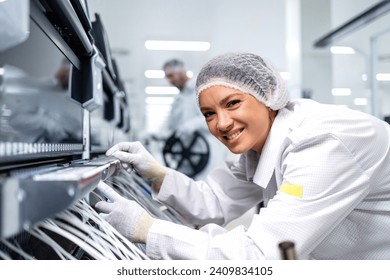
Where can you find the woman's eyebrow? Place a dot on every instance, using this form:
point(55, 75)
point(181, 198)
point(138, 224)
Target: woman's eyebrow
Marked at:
point(224, 100)
point(204, 109)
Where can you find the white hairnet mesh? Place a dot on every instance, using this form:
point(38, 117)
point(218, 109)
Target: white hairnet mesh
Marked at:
point(248, 73)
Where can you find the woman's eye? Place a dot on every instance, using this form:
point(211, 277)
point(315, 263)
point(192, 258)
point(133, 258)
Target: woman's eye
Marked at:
point(232, 103)
point(207, 114)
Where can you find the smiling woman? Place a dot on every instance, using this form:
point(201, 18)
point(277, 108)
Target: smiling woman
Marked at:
point(321, 171)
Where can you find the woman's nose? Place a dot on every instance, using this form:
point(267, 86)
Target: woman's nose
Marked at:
point(225, 123)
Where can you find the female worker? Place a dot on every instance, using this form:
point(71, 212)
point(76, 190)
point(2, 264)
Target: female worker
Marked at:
point(322, 171)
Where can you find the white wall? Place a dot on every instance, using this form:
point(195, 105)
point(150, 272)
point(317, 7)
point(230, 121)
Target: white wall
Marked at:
point(316, 63)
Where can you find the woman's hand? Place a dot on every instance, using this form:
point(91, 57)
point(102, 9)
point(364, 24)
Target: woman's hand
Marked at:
point(134, 155)
point(126, 216)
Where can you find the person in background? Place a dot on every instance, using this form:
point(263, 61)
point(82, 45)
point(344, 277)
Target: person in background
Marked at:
point(322, 171)
point(184, 108)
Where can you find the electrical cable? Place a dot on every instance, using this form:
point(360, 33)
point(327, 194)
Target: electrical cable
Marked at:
point(17, 250)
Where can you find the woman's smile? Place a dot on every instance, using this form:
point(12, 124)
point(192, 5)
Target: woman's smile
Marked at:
point(233, 135)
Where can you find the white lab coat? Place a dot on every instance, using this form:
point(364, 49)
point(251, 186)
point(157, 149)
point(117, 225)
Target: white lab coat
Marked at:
point(338, 158)
point(185, 109)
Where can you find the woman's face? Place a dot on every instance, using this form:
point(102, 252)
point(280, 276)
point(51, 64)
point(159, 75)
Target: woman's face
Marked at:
point(237, 119)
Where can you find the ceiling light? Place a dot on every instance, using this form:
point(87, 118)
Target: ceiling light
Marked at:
point(161, 108)
point(190, 74)
point(341, 50)
point(341, 91)
point(159, 100)
point(383, 76)
point(154, 74)
point(177, 45)
point(360, 101)
point(157, 115)
point(162, 90)
point(159, 74)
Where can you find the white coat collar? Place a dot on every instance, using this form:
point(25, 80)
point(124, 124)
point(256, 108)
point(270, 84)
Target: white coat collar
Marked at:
point(273, 146)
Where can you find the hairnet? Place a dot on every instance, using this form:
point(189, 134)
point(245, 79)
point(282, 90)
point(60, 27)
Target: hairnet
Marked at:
point(248, 73)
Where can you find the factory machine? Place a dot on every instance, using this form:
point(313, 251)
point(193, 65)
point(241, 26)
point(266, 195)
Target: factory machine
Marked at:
point(62, 105)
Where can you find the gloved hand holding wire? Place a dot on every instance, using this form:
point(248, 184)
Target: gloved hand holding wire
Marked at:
point(134, 155)
point(126, 216)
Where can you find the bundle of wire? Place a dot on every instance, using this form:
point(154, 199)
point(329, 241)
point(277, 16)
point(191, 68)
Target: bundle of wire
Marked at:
point(83, 227)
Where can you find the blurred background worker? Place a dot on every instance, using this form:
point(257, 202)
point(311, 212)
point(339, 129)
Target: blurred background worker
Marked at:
point(185, 116)
point(186, 124)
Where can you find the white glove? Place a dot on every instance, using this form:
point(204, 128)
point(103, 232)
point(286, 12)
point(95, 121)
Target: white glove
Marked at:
point(136, 156)
point(126, 216)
